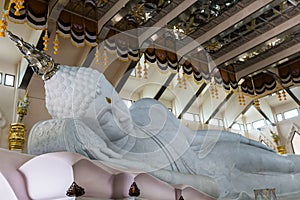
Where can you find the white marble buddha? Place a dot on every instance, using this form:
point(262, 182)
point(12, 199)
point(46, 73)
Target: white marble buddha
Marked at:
point(91, 119)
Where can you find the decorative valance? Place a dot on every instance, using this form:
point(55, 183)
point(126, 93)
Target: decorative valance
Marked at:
point(126, 47)
point(33, 12)
point(268, 82)
point(81, 30)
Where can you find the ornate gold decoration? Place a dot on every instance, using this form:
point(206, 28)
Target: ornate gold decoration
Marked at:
point(281, 95)
point(134, 191)
point(183, 81)
point(3, 24)
point(105, 57)
point(22, 107)
point(97, 55)
point(75, 190)
point(18, 6)
point(179, 80)
point(252, 26)
point(46, 40)
point(280, 148)
point(214, 46)
point(145, 69)
point(16, 137)
point(213, 90)
point(56, 44)
point(256, 102)
point(139, 70)
point(268, 194)
point(17, 131)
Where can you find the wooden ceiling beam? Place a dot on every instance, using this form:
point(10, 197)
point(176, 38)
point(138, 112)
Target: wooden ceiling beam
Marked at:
point(258, 40)
point(164, 21)
point(110, 14)
point(256, 5)
point(268, 61)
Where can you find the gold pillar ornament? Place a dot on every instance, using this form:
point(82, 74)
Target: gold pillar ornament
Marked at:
point(17, 131)
point(16, 137)
point(280, 148)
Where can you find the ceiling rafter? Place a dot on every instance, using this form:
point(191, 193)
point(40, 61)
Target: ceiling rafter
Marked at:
point(268, 61)
point(223, 26)
point(258, 40)
point(163, 21)
point(157, 26)
point(126, 75)
point(293, 96)
point(243, 111)
point(217, 109)
point(264, 115)
point(192, 100)
point(164, 86)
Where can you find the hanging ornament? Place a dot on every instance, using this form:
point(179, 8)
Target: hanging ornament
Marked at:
point(145, 69)
point(46, 40)
point(241, 97)
point(183, 80)
point(3, 24)
point(56, 44)
point(216, 92)
point(213, 90)
point(179, 80)
point(18, 6)
point(97, 55)
point(256, 102)
point(284, 95)
point(139, 70)
point(105, 58)
point(279, 96)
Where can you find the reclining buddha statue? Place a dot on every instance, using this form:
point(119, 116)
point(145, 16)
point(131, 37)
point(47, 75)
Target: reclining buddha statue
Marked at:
point(91, 119)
